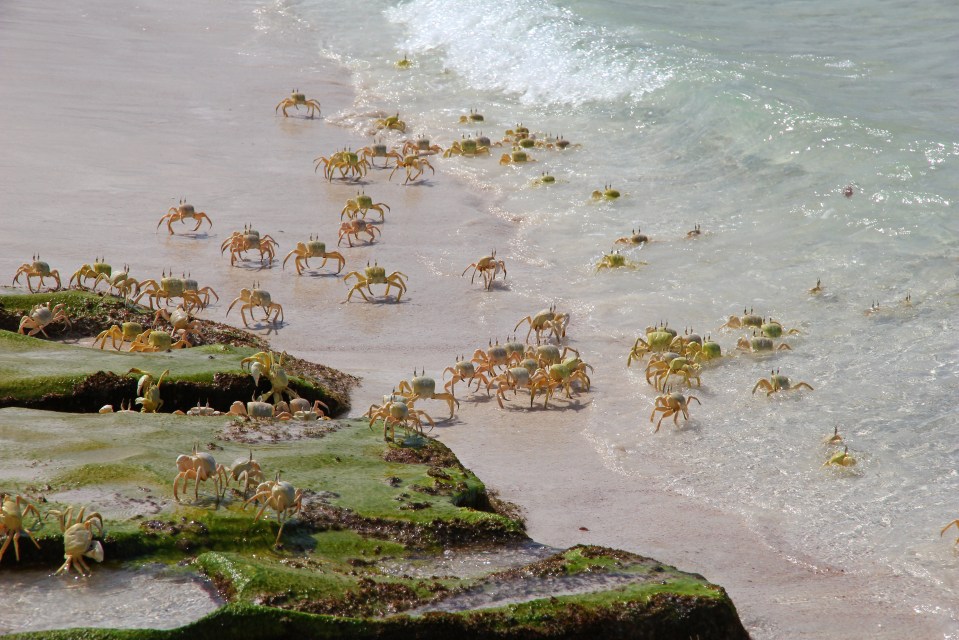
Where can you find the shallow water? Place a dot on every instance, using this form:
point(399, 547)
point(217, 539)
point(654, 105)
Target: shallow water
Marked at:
point(152, 597)
point(748, 120)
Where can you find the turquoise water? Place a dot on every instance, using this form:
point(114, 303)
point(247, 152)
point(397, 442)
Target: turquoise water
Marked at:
point(749, 119)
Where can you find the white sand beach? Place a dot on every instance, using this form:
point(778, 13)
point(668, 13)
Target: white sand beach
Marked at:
point(111, 112)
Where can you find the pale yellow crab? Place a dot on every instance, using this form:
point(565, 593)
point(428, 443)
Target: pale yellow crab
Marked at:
point(842, 459)
point(415, 167)
point(423, 387)
point(517, 156)
point(246, 473)
point(346, 161)
point(376, 275)
point(548, 321)
point(41, 317)
point(37, 269)
point(154, 341)
point(184, 212)
point(378, 150)
point(269, 364)
point(616, 260)
point(199, 467)
point(149, 389)
point(463, 370)
point(361, 204)
point(179, 321)
point(282, 497)
point(606, 193)
point(256, 297)
point(778, 382)
point(467, 147)
point(78, 539)
point(396, 412)
point(635, 237)
point(296, 100)
point(313, 249)
point(391, 122)
point(90, 271)
point(420, 147)
point(488, 267)
point(249, 240)
point(472, 117)
point(351, 230)
point(168, 288)
point(672, 404)
point(13, 509)
point(127, 332)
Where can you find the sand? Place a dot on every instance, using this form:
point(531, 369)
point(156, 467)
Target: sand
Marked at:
point(111, 112)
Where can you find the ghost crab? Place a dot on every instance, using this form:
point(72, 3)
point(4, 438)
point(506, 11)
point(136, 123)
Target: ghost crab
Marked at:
point(658, 339)
point(512, 379)
point(546, 321)
point(777, 382)
point(91, 271)
point(378, 150)
point(517, 156)
point(200, 466)
point(420, 147)
point(463, 370)
point(616, 260)
point(282, 497)
point(295, 100)
point(672, 403)
point(423, 387)
point(256, 297)
point(391, 122)
point(394, 411)
point(179, 321)
point(313, 249)
point(843, 459)
point(13, 509)
point(127, 332)
point(246, 473)
point(184, 212)
point(37, 269)
point(488, 267)
point(149, 390)
point(635, 237)
point(468, 147)
point(271, 365)
point(78, 542)
point(121, 282)
point(361, 204)
point(415, 167)
point(472, 117)
point(487, 360)
point(346, 161)
point(376, 275)
point(41, 317)
point(353, 228)
point(607, 193)
point(249, 239)
point(167, 289)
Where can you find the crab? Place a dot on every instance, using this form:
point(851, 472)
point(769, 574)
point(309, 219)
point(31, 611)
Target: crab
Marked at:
point(423, 387)
point(414, 165)
point(607, 193)
point(149, 389)
point(179, 321)
point(511, 379)
point(695, 232)
point(395, 411)
point(636, 236)
point(313, 249)
point(37, 269)
point(487, 360)
point(378, 150)
point(758, 344)
point(420, 147)
point(405, 63)
point(616, 260)
point(772, 329)
point(249, 239)
point(295, 100)
point(704, 351)
point(778, 382)
point(13, 509)
point(835, 438)
point(748, 319)
point(353, 228)
point(472, 117)
point(545, 355)
point(192, 290)
point(818, 288)
point(661, 370)
point(78, 542)
point(246, 473)
point(954, 523)
point(843, 459)
point(544, 180)
point(546, 321)
point(361, 204)
point(463, 370)
point(282, 497)
point(658, 339)
point(41, 317)
point(468, 147)
point(271, 365)
point(391, 122)
point(199, 466)
point(121, 282)
point(167, 289)
point(488, 267)
point(127, 332)
point(90, 271)
point(153, 341)
point(347, 162)
point(303, 410)
point(517, 156)
point(376, 275)
point(256, 297)
point(671, 404)
point(184, 212)
point(560, 376)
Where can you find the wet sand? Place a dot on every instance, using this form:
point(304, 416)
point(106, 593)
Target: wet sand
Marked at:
point(111, 113)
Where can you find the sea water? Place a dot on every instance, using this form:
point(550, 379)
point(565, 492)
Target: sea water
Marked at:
point(749, 119)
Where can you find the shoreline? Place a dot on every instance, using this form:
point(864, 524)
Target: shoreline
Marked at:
point(194, 121)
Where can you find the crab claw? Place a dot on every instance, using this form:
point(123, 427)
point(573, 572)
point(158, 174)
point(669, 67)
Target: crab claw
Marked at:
point(95, 551)
point(256, 370)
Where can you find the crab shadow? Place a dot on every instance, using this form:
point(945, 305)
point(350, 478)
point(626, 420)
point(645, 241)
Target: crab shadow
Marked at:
point(425, 182)
point(351, 181)
point(313, 273)
point(192, 235)
point(251, 265)
point(380, 300)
